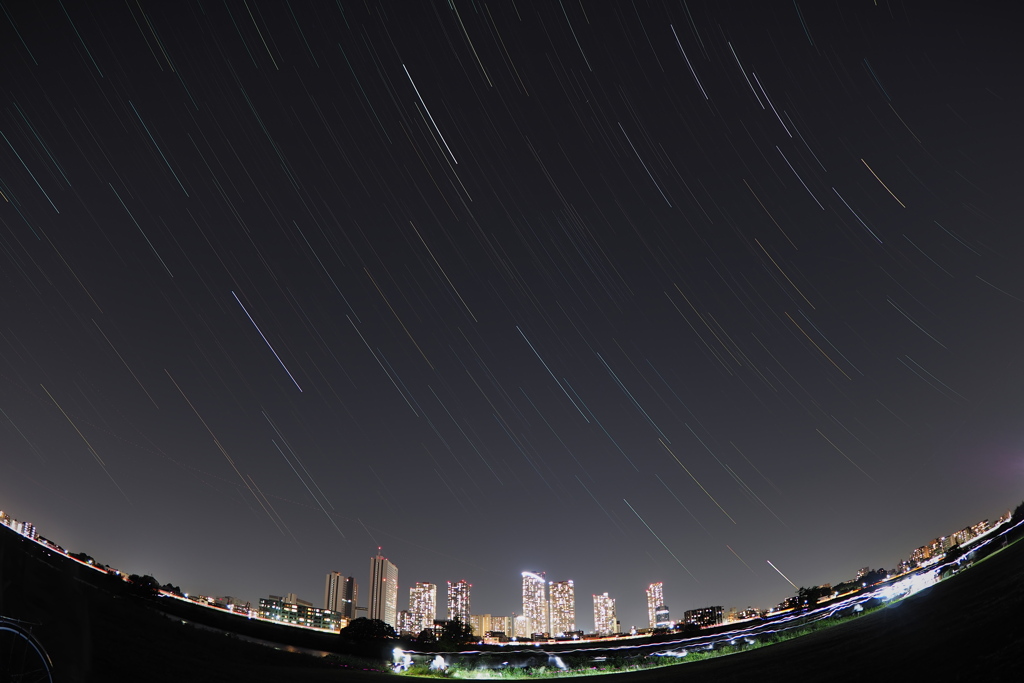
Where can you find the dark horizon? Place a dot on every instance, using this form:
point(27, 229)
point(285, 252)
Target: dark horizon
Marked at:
point(66, 603)
point(622, 293)
point(360, 609)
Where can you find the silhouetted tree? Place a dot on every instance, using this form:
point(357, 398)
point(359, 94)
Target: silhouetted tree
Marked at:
point(362, 629)
point(808, 597)
point(688, 628)
point(455, 634)
point(369, 638)
point(426, 637)
point(954, 553)
point(145, 584)
point(1018, 513)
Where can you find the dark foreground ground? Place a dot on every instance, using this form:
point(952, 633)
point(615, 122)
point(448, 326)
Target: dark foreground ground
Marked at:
point(969, 628)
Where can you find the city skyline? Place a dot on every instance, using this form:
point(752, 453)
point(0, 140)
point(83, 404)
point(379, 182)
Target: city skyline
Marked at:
point(555, 603)
point(683, 286)
point(556, 599)
point(561, 606)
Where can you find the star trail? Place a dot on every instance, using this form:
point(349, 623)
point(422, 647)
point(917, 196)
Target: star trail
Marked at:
point(284, 282)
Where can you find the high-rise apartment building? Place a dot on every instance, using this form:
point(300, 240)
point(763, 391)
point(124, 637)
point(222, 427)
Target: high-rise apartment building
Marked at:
point(458, 601)
point(562, 612)
point(340, 594)
point(655, 599)
point(422, 607)
point(535, 603)
point(605, 621)
point(332, 586)
point(383, 602)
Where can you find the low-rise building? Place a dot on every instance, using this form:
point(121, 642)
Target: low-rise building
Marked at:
point(704, 617)
point(735, 615)
point(277, 609)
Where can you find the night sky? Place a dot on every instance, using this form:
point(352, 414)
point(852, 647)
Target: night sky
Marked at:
point(618, 291)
